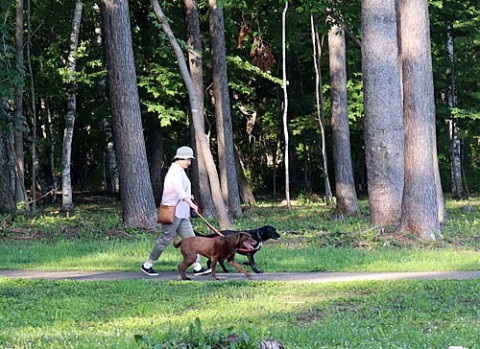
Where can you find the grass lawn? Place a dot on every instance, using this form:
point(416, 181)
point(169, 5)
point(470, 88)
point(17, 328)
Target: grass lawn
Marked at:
point(240, 314)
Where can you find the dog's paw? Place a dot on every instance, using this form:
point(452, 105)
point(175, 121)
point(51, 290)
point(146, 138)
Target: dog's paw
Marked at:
point(248, 275)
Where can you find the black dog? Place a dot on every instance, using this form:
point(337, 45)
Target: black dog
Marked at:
point(260, 235)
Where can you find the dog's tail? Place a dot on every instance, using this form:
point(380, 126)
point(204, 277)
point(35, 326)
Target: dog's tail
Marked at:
point(175, 242)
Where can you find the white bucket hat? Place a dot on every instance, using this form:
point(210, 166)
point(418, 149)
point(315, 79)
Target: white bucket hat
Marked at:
point(184, 153)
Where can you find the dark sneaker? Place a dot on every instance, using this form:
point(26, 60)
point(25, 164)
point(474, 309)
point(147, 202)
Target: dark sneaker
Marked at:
point(149, 271)
point(202, 272)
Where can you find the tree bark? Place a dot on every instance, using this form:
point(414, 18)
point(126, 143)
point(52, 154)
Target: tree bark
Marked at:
point(317, 54)
point(419, 206)
point(347, 202)
point(7, 196)
point(246, 193)
point(200, 183)
point(384, 132)
point(454, 130)
point(35, 162)
point(67, 191)
point(285, 107)
point(51, 151)
point(138, 204)
point(20, 193)
point(111, 179)
point(222, 217)
point(226, 153)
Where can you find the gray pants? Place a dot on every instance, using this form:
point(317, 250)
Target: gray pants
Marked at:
point(182, 226)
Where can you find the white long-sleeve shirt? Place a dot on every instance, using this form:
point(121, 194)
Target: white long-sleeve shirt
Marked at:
point(176, 188)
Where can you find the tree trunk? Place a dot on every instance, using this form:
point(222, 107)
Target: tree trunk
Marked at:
point(200, 183)
point(138, 204)
point(384, 132)
point(285, 106)
point(419, 206)
point(455, 150)
point(111, 170)
point(67, 191)
point(20, 193)
point(7, 196)
point(226, 153)
point(347, 202)
point(51, 152)
point(156, 161)
point(34, 112)
point(222, 217)
point(246, 193)
point(317, 54)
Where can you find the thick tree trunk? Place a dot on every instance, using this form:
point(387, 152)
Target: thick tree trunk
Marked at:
point(138, 203)
point(67, 191)
point(347, 202)
point(419, 207)
point(226, 153)
point(317, 54)
point(222, 217)
point(20, 193)
point(200, 183)
point(384, 132)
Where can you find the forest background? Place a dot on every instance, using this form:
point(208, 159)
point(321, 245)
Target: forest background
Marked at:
point(65, 66)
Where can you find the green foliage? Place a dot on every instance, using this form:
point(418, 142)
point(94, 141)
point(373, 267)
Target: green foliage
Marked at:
point(10, 76)
point(163, 84)
point(249, 68)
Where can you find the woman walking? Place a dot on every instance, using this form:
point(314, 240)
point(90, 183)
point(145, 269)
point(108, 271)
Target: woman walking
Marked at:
point(177, 192)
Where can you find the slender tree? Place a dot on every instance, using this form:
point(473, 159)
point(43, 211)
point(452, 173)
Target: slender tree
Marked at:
point(221, 211)
point(200, 182)
point(138, 204)
point(317, 55)
point(20, 192)
point(226, 153)
point(285, 106)
point(347, 202)
point(455, 149)
point(35, 162)
point(419, 205)
point(67, 191)
point(384, 132)
point(7, 196)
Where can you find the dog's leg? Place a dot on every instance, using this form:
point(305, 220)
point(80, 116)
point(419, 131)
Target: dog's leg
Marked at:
point(182, 269)
point(188, 260)
point(222, 264)
point(214, 268)
point(239, 267)
point(252, 264)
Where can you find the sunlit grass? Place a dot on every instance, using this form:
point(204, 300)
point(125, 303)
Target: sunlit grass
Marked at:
point(239, 314)
point(128, 314)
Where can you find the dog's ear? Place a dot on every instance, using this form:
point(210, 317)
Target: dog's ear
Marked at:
point(241, 237)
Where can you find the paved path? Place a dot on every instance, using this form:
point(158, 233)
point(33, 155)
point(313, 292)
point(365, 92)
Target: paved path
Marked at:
point(317, 277)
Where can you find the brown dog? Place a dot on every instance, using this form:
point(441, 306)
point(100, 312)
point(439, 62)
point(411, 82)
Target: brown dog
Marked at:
point(215, 249)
